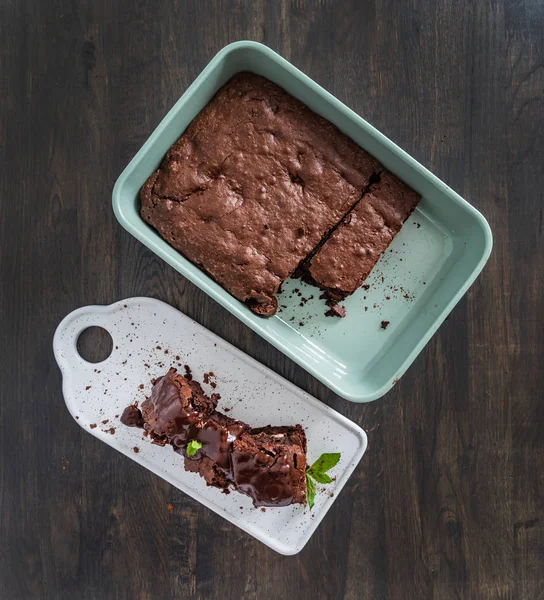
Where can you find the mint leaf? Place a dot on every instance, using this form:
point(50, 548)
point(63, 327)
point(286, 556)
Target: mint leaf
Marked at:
point(193, 447)
point(317, 472)
point(325, 462)
point(319, 477)
point(310, 492)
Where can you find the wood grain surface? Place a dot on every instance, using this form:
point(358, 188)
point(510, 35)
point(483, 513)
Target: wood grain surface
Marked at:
point(449, 500)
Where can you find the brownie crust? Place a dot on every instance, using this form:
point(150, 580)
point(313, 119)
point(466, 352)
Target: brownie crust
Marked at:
point(347, 257)
point(256, 182)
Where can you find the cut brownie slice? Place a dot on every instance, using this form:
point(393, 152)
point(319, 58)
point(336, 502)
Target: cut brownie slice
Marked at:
point(213, 460)
point(269, 465)
point(345, 260)
point(253, 186)
point(174, 406)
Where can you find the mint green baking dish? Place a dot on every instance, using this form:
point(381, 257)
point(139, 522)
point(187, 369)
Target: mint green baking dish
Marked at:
point(429, 266)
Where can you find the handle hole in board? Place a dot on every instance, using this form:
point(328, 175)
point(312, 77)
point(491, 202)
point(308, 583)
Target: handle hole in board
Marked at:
point(94, 344)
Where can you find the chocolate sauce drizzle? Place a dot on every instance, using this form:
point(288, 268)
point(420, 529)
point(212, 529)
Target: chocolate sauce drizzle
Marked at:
point(170, 416)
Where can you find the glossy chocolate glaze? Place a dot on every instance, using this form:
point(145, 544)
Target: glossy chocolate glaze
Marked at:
point(171, 403)
point(216, 435)
point(263, 477)
point(260, 463)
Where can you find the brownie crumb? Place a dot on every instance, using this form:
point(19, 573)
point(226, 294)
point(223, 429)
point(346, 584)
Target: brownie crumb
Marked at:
point(335, 309)
point(206, 378)
point(92, 425)
point(136, 449)
point(77, 418)
point(385, 324)
point(170, 507)
point(105, 421)
point(213, 384)
point(188, 372)
point(263, 509)
point(111, 430)
point(141, 386)
point(88, 387)
point(366, 286)
point(177, 357)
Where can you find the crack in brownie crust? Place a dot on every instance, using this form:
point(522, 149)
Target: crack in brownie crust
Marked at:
point(346, 258)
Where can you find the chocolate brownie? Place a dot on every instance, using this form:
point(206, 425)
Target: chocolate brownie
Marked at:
point(253, 186)
point(268, 463)
point(212, 461)
point(346, 258)
point(175, 405)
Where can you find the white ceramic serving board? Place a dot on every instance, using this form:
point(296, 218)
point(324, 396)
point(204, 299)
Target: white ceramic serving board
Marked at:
point(148, 337)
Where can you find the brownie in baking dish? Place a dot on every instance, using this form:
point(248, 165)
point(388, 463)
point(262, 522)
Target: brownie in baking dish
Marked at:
point(268, 464)
point(344, 261)
point(255, 183)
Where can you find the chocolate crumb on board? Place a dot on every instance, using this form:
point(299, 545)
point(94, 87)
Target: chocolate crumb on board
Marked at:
point(206, 378)
point(92, 425)
point(105, 421)
point(88, 387)
point(111, 430)
point(141, 386)
point(213, 384)
point(385, 324)
point(158, 348)
point(136, 449)
point(188, 372)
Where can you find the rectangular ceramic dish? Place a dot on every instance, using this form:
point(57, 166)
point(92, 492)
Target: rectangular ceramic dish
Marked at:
point(429, 266)
point(149, 337)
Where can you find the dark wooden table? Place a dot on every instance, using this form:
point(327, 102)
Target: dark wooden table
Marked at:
point(449, 500)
